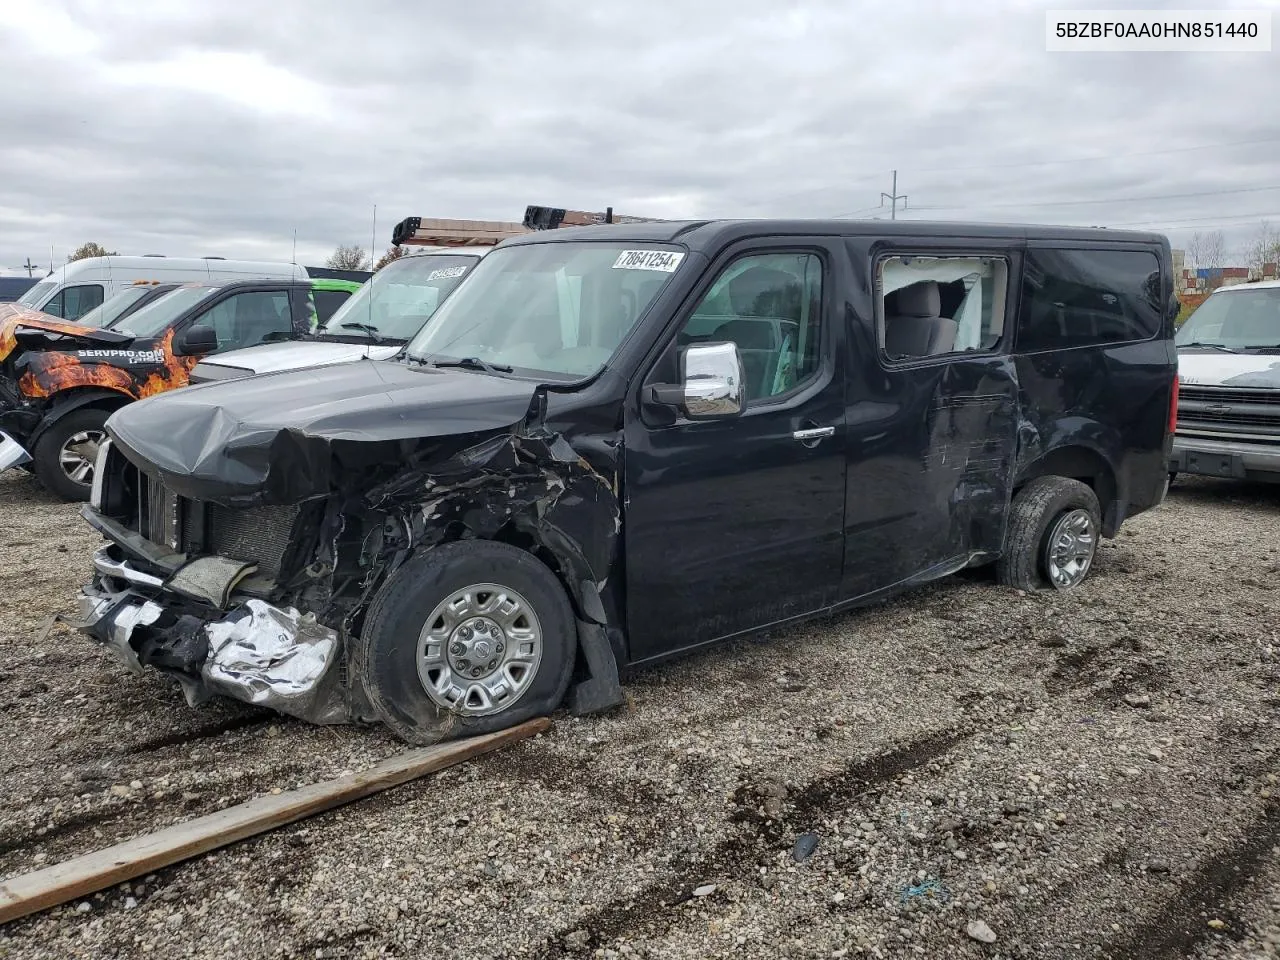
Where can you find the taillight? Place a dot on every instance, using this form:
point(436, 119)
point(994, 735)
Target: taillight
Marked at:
point(1173, 405)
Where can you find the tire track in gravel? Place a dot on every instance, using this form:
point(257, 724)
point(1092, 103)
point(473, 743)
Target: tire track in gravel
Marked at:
point(1182, 921)
point(755, 833)
point(179, 738)
point(89, 818)
point(205, 732)
point(130, 819)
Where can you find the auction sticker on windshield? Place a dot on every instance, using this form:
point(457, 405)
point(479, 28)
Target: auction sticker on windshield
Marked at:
point(663, 260)
point(446, 273)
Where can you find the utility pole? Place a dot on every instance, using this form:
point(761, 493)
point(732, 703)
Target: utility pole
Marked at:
point(894, 197)
point(31, 266)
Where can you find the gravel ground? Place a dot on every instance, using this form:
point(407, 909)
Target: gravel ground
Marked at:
point(1080, 776)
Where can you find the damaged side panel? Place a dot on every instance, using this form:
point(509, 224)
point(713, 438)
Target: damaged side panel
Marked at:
point(532, 484)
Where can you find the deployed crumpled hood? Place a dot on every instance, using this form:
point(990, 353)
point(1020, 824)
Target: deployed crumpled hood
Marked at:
point(285, 437)
point(14, 315)
point(1246, 370)
point(292, 355)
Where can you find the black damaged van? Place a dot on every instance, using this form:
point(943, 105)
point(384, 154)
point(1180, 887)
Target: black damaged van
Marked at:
point(616, 444)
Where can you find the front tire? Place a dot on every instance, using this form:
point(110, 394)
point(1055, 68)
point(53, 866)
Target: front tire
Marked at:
point(65, 456)
point(466, 638)
point(1052, 538)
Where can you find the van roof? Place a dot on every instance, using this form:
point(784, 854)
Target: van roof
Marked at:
point(703, 235)
point(159, 264)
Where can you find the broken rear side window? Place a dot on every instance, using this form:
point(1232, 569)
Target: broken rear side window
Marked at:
point(931, 306)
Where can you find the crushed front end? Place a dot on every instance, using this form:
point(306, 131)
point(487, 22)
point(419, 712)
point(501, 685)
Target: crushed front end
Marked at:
point(248, 572)
point(165, 593)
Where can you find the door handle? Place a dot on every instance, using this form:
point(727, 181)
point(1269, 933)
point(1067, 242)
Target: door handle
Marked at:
point(814, 433)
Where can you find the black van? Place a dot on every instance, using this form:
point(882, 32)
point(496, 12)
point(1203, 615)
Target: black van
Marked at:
point(616, 444)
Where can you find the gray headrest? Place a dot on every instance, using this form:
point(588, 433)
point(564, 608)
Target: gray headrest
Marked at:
point(921, 299)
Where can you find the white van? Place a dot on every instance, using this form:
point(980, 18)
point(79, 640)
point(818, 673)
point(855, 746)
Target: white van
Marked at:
point(75, 288)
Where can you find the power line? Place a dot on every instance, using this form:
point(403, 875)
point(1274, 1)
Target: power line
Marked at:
point(1073, 203)
point(1112, 156)
point(857, 213)
point(860, 178)
point(1221, 219)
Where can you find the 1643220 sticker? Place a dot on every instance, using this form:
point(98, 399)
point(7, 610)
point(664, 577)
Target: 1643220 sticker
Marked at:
point(664, 261)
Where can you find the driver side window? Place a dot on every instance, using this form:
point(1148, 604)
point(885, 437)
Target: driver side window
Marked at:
point(770, 305)
point(246, 319)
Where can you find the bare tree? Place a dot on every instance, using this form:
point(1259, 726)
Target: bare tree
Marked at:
point(393, 253)
point(348, 258)
point(1265, 248)
point(1208, 251)
point(91, 249)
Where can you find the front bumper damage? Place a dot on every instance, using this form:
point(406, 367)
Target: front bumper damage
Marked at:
point(257, 653)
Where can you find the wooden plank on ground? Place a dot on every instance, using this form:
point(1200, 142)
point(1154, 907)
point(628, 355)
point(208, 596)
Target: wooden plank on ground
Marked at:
point(41, 889)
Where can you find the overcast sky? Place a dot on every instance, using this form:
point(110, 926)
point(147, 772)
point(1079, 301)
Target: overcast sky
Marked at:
point(195, 129)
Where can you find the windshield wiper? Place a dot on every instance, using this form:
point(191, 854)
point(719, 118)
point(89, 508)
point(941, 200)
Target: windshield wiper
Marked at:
point(1211, 346)
point(473, 363)
point(368, 328)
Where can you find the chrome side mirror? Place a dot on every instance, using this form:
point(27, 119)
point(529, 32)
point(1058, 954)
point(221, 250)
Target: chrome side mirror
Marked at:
point(714, 381)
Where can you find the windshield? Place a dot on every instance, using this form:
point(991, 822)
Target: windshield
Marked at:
point(556, 310)
point(153, 319)
point(399, 298)
point(106, 312)
point(37, 293)
point(1236, 319)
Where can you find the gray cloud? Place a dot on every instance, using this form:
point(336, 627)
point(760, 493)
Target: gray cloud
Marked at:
point(196, 129)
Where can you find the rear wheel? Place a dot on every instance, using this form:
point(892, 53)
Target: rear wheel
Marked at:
point(466, 638)
point(1052, 538)
point(65, 456)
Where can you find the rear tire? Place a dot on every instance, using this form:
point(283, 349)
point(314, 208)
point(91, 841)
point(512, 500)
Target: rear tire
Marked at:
point(466, 638)
point(63, 459)
point(1052, 537)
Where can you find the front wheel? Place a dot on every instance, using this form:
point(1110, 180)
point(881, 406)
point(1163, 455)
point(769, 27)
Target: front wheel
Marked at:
point(1052, 537)
point(466, 638)
point(64, 458)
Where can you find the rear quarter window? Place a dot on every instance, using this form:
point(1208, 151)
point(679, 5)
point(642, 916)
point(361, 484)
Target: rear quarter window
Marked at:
point(1076, 298)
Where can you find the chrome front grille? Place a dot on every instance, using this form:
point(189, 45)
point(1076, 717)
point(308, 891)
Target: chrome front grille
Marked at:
point(1234, 413)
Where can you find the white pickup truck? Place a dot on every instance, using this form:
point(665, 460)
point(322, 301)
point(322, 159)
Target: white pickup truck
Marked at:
point(374, 323)
point(1229, 385)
